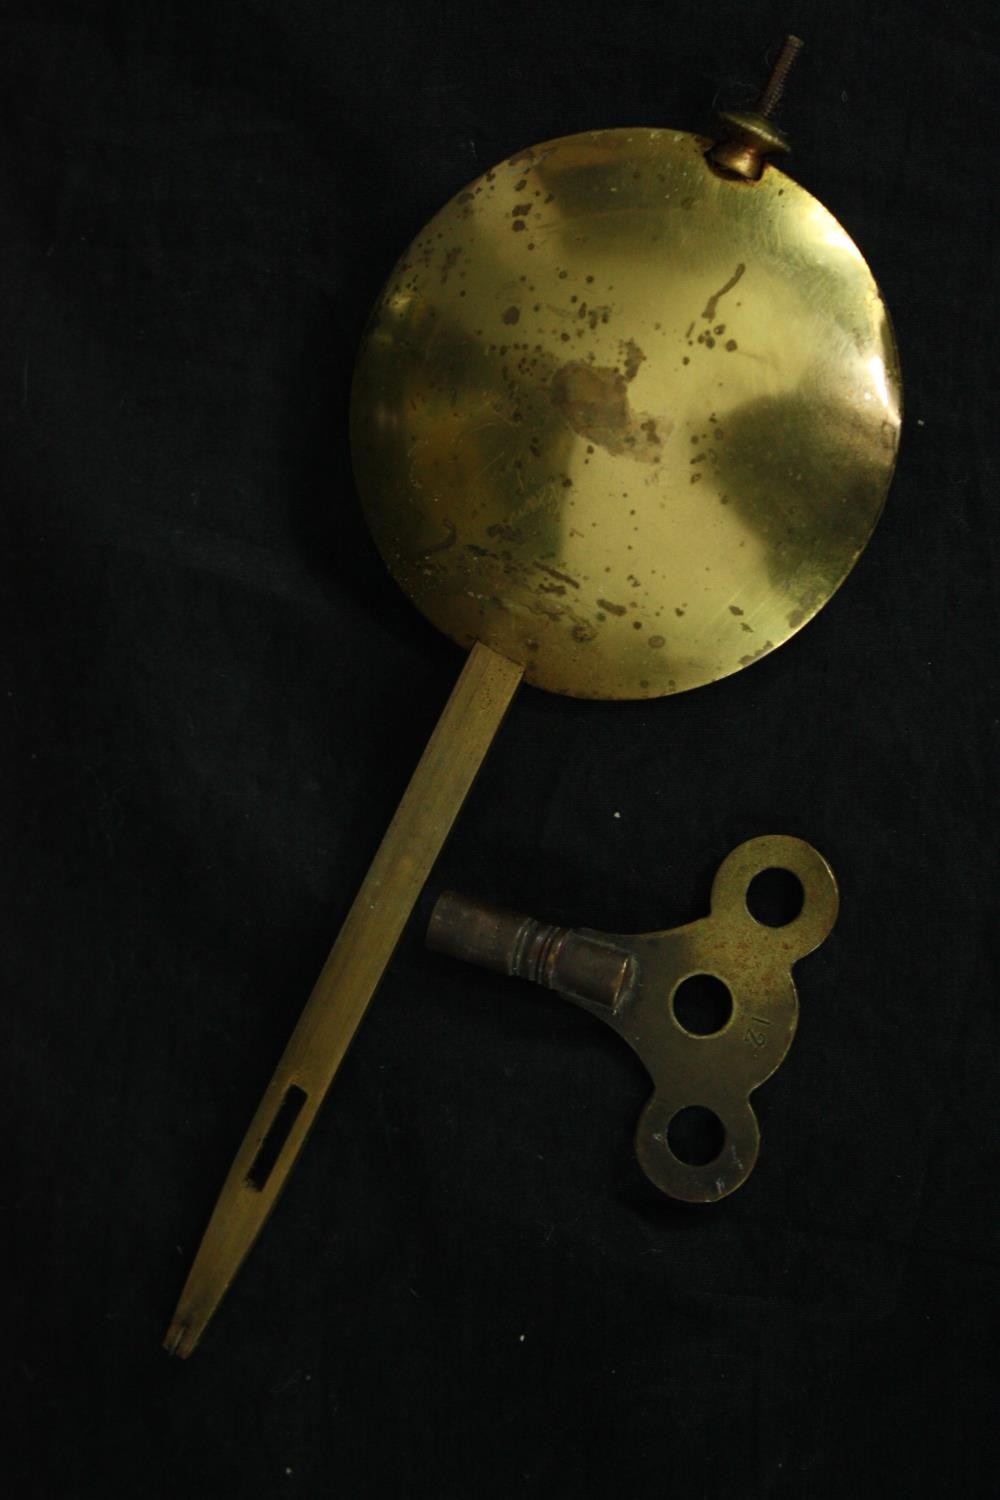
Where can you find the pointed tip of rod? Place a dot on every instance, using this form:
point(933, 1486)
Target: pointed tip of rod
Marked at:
point(181, 1339)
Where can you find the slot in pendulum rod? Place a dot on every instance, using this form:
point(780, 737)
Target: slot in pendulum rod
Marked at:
point(334, 1011)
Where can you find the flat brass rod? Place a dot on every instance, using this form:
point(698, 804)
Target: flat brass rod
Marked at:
point(334, 1011)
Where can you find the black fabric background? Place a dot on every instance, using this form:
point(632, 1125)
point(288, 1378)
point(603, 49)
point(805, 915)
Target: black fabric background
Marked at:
point(213, 696)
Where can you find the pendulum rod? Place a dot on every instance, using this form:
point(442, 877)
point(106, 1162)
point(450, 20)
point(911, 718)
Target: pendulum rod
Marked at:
point(430, 805)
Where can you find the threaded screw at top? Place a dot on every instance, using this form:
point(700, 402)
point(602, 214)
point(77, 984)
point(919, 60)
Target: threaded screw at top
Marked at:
point(775, 85)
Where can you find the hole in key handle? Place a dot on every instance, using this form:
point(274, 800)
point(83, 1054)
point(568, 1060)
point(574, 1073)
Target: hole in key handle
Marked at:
point(696, 1135)
point(775, 897)
point(702, 1004)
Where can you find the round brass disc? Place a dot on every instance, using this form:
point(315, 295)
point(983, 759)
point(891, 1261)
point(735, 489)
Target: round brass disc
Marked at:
point(622, 419)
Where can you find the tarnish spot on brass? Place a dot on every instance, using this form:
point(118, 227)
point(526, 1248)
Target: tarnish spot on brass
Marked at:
point(755, 656)
point(449, 540)
point(713, 301)
point(594, 401)
point(633, 357)
point(554, 573)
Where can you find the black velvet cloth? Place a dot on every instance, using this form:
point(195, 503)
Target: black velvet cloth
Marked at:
point(213, 696)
